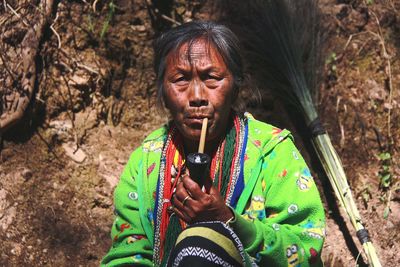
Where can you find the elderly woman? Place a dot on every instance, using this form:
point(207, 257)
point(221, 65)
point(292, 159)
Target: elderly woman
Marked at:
point(259, 204)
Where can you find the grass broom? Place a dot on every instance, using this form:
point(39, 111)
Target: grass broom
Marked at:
point(283, 40)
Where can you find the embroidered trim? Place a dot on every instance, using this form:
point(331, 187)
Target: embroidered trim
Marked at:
point(160, 188)
point(236, 175)
point(238, 155)
point(200, 252)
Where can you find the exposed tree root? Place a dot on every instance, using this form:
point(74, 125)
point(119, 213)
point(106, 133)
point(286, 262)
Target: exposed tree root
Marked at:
point(14, 105)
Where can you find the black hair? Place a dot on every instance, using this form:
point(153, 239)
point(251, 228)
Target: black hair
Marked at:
point(217, 35)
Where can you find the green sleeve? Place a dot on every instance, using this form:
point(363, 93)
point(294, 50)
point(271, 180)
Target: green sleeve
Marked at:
point(285, 218)
point(130, 245)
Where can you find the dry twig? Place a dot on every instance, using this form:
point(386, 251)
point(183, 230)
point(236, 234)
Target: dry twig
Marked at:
point(82, 66)
point(342, 134)
point(351, 38)
point(157, 12)
point(387, 57)
point(55, 32)
point(94, 5)
point(16, 13)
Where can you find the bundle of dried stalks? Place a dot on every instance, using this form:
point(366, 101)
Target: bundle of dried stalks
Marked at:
point(283, 41)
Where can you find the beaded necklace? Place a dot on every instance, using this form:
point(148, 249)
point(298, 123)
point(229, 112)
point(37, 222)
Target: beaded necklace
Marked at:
point(225, 171)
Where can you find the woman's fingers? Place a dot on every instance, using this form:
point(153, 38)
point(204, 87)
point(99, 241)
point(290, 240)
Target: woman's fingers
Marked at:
point(181, 192)
point(182, 207)
point(192, 188)
point(185, 199)
point(194, 205)
point(181, 197)
point(190, 195)
point(182, 215)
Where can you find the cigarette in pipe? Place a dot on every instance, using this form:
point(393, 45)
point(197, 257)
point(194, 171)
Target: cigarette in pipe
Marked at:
point(203, 135)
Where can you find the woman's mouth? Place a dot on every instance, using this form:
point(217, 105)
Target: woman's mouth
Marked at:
point(196, 121)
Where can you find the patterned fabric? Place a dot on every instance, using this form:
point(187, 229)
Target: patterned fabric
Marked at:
point(172, 158)
point(207, 244)
point(280, 218)
point(192, 254)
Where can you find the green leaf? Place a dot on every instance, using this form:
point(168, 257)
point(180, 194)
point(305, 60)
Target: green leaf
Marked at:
point(384, 156)
point(331, 58)
point(386, 179)
point(106, 24)
point(365, 196)
point(90, 24)
point(386, 213)
point(385, 168)
point(104, 29)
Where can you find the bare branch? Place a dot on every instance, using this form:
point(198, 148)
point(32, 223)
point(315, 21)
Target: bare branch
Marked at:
point(388, 71)
point(157, 12)
point(30, 48)
point(16, 13)
point(94, 5)
point(55, 32)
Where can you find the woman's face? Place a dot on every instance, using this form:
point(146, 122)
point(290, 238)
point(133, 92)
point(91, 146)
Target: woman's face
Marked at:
point(197, 89)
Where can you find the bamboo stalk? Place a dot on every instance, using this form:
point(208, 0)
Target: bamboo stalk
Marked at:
point(284, 42)
point(337, 177)
point(203, 135)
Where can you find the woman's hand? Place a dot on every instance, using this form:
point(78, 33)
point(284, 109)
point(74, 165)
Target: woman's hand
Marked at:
point(192, 205)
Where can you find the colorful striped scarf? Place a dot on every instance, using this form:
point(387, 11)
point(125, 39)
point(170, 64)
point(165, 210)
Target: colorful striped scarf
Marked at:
point(226, 171)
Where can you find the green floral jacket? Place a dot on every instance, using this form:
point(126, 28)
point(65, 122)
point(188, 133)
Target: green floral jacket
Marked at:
point(280, 202)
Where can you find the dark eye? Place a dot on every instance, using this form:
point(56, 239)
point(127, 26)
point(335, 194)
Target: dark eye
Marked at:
point(212, 77)
point(180, 80)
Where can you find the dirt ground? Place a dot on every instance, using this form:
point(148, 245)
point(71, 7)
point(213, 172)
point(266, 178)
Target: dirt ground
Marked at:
point(95, 102)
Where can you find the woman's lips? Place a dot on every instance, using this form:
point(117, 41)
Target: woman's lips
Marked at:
point(196, 120)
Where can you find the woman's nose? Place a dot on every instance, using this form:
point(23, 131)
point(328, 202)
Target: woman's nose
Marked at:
point(197, 96)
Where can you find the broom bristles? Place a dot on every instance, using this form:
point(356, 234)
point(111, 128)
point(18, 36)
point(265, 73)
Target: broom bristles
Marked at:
point(282, 50)
point(283, 40)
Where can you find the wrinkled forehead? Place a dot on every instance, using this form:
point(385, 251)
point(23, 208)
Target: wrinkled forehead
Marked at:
point(194, 52)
